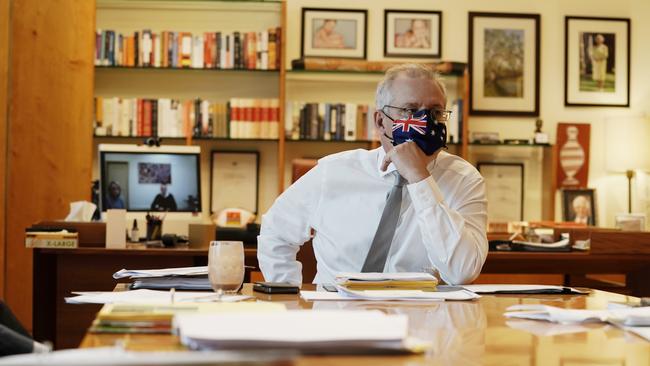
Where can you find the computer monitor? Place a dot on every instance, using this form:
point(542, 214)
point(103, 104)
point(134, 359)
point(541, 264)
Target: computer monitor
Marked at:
point(143, 178)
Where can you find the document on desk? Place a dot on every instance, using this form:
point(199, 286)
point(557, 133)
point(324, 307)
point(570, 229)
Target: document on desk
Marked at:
point(523, 289)
point(191, 283)
point(633, 316)
point(345, 294)
point(164, 272)
point(149, 297)
point(318, 332)
point(118, 356)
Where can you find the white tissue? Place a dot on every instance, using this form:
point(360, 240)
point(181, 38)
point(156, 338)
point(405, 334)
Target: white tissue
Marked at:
point(81, 211)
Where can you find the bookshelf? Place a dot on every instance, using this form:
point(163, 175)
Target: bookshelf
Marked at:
point(285, 84)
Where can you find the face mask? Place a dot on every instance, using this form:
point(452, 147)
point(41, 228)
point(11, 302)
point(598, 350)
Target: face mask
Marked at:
point(421, 128)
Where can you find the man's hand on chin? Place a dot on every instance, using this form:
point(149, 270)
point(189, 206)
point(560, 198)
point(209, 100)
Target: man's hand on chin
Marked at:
point(410, 161)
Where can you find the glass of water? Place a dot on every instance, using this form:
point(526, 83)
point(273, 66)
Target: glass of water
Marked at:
point(226, 266)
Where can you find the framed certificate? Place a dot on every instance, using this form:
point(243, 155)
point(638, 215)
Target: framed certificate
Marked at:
point(504, 189)
point(234, 180)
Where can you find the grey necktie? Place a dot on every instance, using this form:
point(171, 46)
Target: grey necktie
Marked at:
point(378, 253)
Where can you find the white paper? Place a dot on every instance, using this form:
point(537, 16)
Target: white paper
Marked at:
point(643, 332)
point(117, 356)
point(293, 327)
point(143, 273)
point(406, 295)
point(546, 328)
point(566, 316)
point(376, 276)
point(387, 295)
point(148, 297)
point(492, 289)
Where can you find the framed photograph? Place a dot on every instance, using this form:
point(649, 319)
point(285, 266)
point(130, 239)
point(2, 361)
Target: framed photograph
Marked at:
point(630, 222)
point(234, 180)
point(411, 33)
point(339, 33)
point(504, 183)
point(579, 206)
point(504, 64)
point(596, 62)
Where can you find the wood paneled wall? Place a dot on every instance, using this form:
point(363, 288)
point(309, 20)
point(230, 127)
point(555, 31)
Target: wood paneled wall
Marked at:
point(49, 126)
point(4, 73)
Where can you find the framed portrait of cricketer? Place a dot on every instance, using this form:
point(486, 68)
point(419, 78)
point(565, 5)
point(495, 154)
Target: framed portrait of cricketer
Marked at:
point(503, 59)
point(234, 180)
point(504, 185)
point(596, 62)
point(339, 33)
point(412, 33)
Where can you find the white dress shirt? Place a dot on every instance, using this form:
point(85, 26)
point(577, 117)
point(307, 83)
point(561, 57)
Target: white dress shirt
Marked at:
point(441, 226)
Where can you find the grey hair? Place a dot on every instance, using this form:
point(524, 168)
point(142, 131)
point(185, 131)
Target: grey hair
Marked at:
point(383, 95)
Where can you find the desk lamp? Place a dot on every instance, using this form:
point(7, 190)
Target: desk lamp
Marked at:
point(626, 140)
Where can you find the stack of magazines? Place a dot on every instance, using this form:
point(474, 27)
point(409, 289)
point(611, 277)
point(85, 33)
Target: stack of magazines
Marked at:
point(184, 278)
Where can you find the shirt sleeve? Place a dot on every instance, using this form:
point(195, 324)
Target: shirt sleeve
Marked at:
point(454, 237)
point(287, 226)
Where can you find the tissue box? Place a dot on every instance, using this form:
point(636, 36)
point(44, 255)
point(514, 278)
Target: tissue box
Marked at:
point(91, 234)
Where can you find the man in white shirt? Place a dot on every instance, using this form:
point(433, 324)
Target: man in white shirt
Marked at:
point(442, 218)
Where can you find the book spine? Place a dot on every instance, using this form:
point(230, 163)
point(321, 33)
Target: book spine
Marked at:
point(237, 63)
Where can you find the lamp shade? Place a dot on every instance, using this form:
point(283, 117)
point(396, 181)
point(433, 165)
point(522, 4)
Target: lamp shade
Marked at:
point(627, 141)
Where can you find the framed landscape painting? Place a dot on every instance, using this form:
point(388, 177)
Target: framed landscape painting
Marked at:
point(504, 63)
point(597, 62)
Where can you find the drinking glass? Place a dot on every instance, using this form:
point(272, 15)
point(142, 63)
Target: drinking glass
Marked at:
point(226, 266)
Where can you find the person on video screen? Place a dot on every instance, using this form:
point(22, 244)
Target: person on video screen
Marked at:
point(114, 196)
point(164, 201)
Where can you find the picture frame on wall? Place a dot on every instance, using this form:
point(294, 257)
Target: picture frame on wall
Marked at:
point(596, 62)
point(579, 206)
point(504, 54)
point(412, 33)
point(338, 33)
point(504, 185)
point(234, 180)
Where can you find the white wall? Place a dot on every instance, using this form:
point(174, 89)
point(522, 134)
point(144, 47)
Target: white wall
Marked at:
point(611, 189)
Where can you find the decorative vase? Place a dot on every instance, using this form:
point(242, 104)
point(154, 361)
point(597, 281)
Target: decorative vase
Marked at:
point(572, 157)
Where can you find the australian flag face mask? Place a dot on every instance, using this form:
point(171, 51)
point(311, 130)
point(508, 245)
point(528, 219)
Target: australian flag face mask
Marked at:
point(421, 128)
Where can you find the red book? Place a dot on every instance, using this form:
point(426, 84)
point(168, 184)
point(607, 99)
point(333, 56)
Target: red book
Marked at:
point(146, 125)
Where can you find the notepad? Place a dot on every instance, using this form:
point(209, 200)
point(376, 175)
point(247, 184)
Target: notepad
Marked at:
point(387, 281)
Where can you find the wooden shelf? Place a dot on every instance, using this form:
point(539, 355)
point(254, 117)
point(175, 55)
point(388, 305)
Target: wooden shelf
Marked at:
point(184, 69)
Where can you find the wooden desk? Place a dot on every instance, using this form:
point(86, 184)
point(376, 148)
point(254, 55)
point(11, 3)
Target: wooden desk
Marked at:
point(58, 272)
point(465, 332)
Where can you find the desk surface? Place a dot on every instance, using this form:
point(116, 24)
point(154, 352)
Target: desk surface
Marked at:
point(465, 333)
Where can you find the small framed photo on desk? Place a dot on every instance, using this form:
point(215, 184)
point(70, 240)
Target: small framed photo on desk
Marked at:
point(579, 206)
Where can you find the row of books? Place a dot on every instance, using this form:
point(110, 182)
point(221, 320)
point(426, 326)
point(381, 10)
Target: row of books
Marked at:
point(210, 50)
point(239, 118)
point(329, 121)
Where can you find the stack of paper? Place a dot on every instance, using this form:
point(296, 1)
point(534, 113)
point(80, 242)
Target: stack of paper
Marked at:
point(151, 318)
point(387, 281)
point(183, 278)
point(404, 280)
point(117, 356)
point(305, 330)
point(635, 319)
point(148, 297)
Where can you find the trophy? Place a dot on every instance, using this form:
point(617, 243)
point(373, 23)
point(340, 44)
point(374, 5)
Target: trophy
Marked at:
point(540, 137)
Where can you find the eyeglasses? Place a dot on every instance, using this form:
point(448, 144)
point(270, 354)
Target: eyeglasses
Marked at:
point(441, 115)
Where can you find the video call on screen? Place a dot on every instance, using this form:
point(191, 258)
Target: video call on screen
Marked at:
point(150, 182)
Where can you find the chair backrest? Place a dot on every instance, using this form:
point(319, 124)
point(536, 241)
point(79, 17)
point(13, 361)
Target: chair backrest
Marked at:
point(301, 166)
